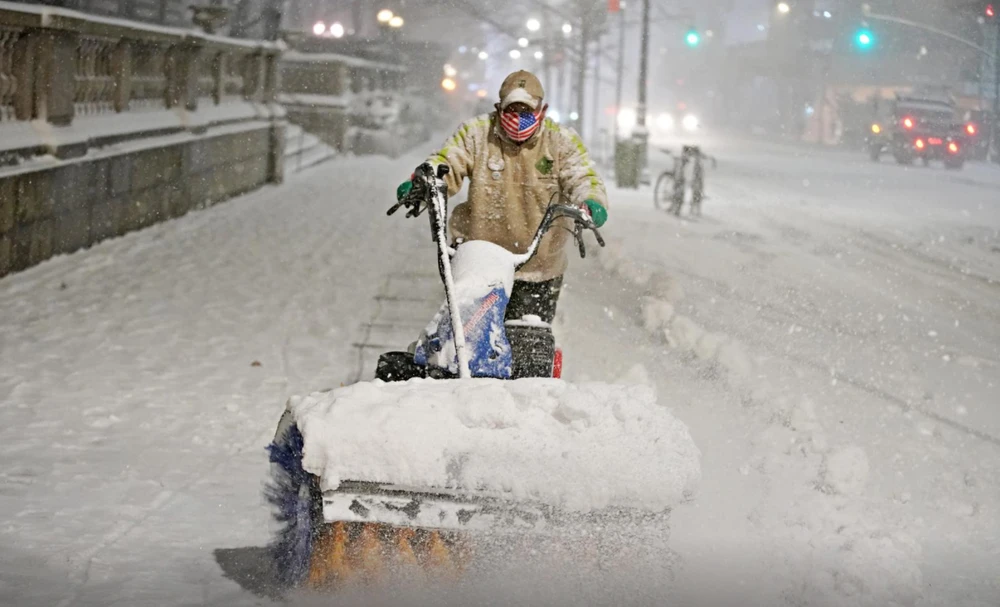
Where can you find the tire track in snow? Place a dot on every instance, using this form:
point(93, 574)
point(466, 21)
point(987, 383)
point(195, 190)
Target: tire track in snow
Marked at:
point(921, 265)
point(896, 400)
point(81, 563)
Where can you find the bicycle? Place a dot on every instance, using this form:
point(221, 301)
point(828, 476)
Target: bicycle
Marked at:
point(671, 184)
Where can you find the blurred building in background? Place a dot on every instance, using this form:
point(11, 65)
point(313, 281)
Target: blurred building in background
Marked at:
point(811, 68)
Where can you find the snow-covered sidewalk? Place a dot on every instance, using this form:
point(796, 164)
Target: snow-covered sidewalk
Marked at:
point(140, 381)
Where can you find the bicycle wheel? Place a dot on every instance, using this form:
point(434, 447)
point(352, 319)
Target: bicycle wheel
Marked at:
point(662, 190)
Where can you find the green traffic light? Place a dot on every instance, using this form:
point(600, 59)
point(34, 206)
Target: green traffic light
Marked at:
point(692, 38)
point(864, 39)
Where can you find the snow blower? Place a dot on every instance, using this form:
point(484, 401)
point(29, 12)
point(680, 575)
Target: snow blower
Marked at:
point(467, 444)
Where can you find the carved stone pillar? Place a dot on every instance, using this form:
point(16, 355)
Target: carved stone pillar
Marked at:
point(57, 53)
point(121, 65)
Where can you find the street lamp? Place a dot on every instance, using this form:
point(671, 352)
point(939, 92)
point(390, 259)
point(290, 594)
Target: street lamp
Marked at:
point(534, 25)
point(483, 55)
point(396, 22)
point(784, 8)
point(515, 54)
point(385, 16)
point(567, 29)
point(522, 42)
point(448, 84)
point(449, 70)
point(539, 55)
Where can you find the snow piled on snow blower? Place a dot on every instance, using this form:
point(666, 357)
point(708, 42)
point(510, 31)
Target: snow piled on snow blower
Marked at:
point(579, 448)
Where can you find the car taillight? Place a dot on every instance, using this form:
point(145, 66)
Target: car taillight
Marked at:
point(970, 129)
point(908, 122)
point(919, 144)
point(953, 147)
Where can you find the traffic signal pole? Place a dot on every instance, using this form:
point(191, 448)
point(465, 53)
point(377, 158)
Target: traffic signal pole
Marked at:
point(994, 148)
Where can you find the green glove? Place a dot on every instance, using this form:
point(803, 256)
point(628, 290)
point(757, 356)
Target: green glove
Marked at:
point(597, 212)
point(403, 189)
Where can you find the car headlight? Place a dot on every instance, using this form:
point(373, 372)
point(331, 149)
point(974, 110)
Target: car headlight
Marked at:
point(665, 122)
point(690, 122)
point(626, 118)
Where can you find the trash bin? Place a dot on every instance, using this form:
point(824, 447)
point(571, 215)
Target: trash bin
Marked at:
point(627, 163)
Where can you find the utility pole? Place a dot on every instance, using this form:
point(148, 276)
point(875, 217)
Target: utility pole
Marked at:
point(640, 114)
point(547, 59)
point(595, 119)
point(994, 149)
point(581, 72)
point(564, 101)
point(620, 75)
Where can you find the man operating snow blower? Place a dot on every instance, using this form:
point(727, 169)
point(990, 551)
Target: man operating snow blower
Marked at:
point(517, 162)
point(467, 451)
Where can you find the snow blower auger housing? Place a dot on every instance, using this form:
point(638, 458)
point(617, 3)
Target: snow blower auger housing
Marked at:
point(403, 473)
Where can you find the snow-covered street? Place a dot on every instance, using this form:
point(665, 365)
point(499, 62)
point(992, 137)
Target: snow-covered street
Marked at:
point(829, 330)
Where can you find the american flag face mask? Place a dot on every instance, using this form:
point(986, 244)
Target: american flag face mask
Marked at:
point(520, 126)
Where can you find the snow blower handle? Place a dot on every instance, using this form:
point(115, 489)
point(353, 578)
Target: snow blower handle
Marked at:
point(581, 221)
point(420, 195)
point(430, 191)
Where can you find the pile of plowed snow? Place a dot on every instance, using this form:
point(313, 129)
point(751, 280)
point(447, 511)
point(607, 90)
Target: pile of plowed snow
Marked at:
point(578, 447)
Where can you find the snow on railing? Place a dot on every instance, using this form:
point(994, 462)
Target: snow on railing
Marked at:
point(61, 66)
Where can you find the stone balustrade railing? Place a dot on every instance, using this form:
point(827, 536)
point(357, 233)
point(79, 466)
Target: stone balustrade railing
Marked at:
point(63, 67)
point(109, 126)
point(333, 95)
